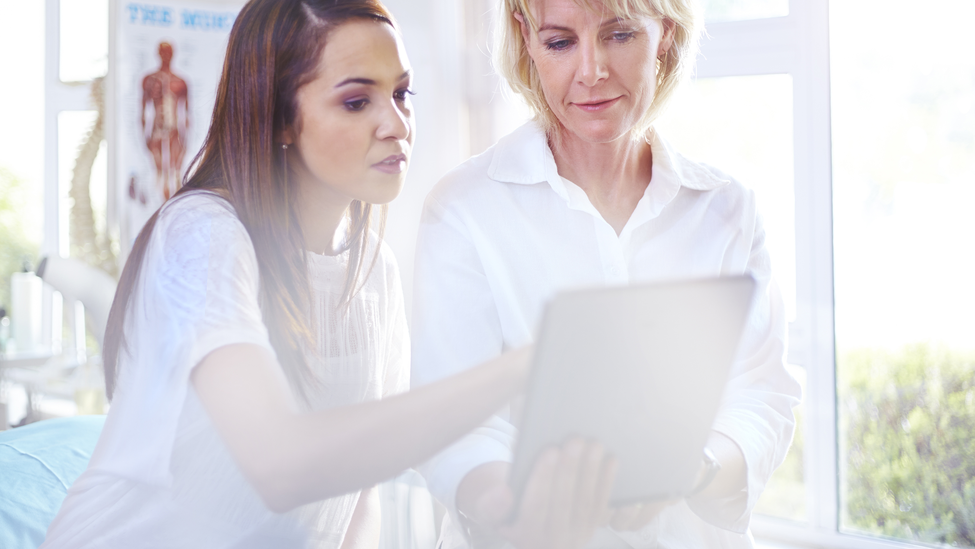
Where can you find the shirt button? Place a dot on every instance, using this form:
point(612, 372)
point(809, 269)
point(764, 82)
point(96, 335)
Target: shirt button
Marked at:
point(615, 271)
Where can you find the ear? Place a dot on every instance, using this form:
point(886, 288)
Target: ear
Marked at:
point(667, 38)
point(525, 32)
point(285, 136)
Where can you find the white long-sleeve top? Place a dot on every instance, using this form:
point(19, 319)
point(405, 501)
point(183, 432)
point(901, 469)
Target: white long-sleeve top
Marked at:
point(503, 232)
point(161, 475)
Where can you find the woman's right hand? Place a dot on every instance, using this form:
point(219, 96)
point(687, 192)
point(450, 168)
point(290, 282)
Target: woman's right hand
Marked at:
point(565, 499)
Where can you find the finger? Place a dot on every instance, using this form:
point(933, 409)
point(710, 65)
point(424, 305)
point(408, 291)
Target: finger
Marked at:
point(561, 528)
point(586, 512)
point(534, 505)
point(639, 515)
point(623, 516)
point(604, 489)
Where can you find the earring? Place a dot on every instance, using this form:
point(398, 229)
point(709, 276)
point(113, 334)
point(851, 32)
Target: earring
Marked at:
point(284, 150)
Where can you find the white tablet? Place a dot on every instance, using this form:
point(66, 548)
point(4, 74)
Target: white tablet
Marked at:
point(642, 370)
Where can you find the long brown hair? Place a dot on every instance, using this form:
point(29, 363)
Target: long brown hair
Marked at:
point(274, 49)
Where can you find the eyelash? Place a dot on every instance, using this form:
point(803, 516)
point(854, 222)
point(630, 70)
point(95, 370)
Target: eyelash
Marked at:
point(623, 36)
point(400, 95)
point(558, 44)
point(356, 105)
point(561, 44)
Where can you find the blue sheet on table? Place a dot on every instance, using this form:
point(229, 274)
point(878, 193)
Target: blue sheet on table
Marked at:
point(38, 463)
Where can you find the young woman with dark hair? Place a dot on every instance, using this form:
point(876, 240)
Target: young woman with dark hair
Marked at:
point(259, 321)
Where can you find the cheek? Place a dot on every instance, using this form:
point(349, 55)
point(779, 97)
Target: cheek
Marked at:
point(640, 72)
point(555, 75)
point(330, 149)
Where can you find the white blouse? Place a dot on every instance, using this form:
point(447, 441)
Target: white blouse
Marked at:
point(160, 475)
point(503, 232)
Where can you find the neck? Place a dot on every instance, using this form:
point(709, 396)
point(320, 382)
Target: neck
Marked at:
point(320, 213)
point(614, 175)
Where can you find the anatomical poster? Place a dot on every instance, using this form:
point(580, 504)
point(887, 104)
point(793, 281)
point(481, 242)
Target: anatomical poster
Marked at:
point(168, 59)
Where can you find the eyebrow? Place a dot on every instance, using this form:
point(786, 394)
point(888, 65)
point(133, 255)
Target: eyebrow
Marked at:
point(606, 23)
point(370, 81)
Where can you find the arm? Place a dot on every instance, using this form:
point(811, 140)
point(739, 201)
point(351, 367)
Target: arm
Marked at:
point(455, 325)
point(142, 111)
point(293, 458)
point(755, 424)
point(185, 95)
point(145, 99)
point(457, 322)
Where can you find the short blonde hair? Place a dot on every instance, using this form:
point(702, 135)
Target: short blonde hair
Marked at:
point(514, 64)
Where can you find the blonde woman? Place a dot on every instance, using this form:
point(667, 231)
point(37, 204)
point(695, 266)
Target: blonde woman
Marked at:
point(588, 193)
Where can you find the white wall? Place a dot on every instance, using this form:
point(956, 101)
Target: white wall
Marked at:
point(432, 31)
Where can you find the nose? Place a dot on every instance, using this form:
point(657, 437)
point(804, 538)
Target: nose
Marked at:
point(396, 122)
point(592, 63)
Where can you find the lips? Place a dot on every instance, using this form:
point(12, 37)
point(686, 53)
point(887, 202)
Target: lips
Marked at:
point(394, 163)
point(596, 105)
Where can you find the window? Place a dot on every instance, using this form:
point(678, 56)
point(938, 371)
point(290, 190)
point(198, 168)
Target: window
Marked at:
point(721, 11)
point(50, 110)
point(903, 172)
point(743, 126)
point(21, 161)
point(884, 154)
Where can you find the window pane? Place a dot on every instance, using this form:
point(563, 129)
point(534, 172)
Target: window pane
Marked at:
point(743, 126)
point(903, 173)
point(719, 11)
point(22, 139)
point(84, 40)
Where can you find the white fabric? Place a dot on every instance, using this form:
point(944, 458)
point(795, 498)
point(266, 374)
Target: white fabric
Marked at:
point(160, 475)
point(503, 232)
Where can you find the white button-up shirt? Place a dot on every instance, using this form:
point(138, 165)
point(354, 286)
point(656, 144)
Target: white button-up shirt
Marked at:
point(503, 232)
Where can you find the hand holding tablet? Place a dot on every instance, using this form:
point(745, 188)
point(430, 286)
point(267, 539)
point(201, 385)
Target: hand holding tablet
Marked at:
point(641, 370)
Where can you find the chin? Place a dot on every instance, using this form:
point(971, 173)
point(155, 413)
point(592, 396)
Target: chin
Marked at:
point(599, 132)
point(383, 193)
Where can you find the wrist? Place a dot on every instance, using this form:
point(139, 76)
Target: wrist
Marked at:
point(708, 470)
point(474, 493)
point(483, 502)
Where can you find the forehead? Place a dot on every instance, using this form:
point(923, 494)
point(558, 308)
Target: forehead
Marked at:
point(622, 9)
point(363, 49)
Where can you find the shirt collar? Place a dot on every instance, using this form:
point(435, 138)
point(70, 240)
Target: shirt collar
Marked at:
point(668, 163)
point(524, 157)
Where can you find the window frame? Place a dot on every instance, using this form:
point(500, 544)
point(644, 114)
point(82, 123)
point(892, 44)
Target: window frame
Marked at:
point(59, 97)
point(798, 45)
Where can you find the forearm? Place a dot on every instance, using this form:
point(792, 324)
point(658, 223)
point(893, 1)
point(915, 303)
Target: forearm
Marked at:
point(732, 478)
point(293, 458)
point(371, 442)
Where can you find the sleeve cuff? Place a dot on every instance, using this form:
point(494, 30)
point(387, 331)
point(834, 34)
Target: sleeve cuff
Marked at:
point(734, 512)
point(445, 471)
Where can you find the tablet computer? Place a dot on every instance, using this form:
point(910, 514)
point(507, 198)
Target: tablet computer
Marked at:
point(642, 370)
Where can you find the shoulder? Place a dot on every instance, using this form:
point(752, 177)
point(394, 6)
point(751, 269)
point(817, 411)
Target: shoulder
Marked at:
point(710, 183)
point(200, 226)
point(200, 213)
point(465, 182)
point(516, 159)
